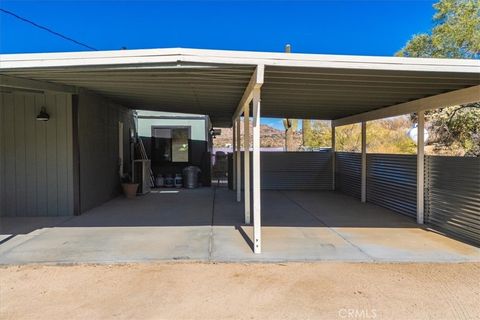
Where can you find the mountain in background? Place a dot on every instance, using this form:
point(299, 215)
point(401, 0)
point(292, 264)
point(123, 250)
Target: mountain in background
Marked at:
point(270, 137)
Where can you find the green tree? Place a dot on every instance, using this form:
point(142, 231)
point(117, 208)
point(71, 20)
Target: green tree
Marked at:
point(455, 34)
point(319, 134)
point(348, 138)
point(390, 136)
point(456, 130)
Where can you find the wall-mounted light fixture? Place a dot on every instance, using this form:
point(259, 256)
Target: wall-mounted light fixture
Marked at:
point(43, 115)
point(215, 132)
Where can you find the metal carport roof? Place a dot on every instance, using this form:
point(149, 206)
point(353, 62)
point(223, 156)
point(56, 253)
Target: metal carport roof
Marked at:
point(222, 84)
point(212, 82)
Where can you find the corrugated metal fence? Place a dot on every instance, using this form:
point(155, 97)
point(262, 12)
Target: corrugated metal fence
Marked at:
point(296, 170)
point(348, 173)
point(392, 182)
point(452, 188)
point(293, 170)
point(452, 195)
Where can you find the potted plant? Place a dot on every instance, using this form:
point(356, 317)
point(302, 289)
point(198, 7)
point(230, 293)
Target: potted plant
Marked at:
point(129, 187)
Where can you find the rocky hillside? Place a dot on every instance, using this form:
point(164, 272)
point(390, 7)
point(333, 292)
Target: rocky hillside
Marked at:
point(270, 137)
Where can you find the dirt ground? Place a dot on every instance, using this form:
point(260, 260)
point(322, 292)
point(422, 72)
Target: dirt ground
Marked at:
point(241, 291)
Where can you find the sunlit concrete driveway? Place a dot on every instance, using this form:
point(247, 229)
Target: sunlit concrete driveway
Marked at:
point(207, 225)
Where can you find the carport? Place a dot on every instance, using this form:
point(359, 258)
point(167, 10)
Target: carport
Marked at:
point(226, 85)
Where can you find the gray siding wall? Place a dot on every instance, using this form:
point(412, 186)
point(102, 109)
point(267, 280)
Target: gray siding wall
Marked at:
point(36, 171)
point(392, 182)
point(98, 120)
point(452, 195)
point(348, 173)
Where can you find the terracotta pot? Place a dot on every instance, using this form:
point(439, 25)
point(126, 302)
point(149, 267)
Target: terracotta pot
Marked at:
point(130, 189)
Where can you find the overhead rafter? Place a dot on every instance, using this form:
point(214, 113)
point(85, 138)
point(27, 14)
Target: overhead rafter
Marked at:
point(256, 82)
point(457, 97)
point(28, 84)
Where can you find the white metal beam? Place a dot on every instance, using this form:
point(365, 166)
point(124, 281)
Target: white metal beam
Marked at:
point(461, 96)
point(120, 148)
point(246, 157)
point(257, 232)
point(255, 83)
point(333, 157)
point(239, 162)
point(420, 166)
point(364, 162)
point(23, 83)
point(234, 155)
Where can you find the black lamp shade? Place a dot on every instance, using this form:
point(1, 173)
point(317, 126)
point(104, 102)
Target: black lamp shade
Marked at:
point(43, 115)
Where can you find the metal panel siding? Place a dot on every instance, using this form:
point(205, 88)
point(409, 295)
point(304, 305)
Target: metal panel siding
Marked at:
point(452, 195)
point(2, 150)
point(292, 170)
point(296, 170)
point(348, 173)
point(392, 182)
point(36, 156)
point(98, 148)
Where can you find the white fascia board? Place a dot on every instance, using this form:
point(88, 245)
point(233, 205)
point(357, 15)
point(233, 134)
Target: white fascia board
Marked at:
point(281, 56)
point(84, 62)
point(159, 56)
point(335, 61)
point(90, 54)
point(457, 97)
point(468, 66)
point(248, 55)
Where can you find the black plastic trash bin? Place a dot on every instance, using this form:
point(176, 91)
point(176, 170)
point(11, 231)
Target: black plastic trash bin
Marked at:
point(190, 177)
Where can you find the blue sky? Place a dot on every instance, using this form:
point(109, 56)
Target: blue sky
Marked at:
point(333, 27)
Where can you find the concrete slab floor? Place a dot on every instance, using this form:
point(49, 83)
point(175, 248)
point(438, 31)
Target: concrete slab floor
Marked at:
point(207, 225)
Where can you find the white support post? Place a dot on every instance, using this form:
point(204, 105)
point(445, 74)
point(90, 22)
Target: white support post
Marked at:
point(364, 161)
point(234, 155)
point(239, 162)
point(257, 235)
point(420, 167)
point(246, 157)
point(333, 156)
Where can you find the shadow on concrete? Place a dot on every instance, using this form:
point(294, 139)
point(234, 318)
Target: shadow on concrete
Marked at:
point(23, 225)
point(245, 236)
